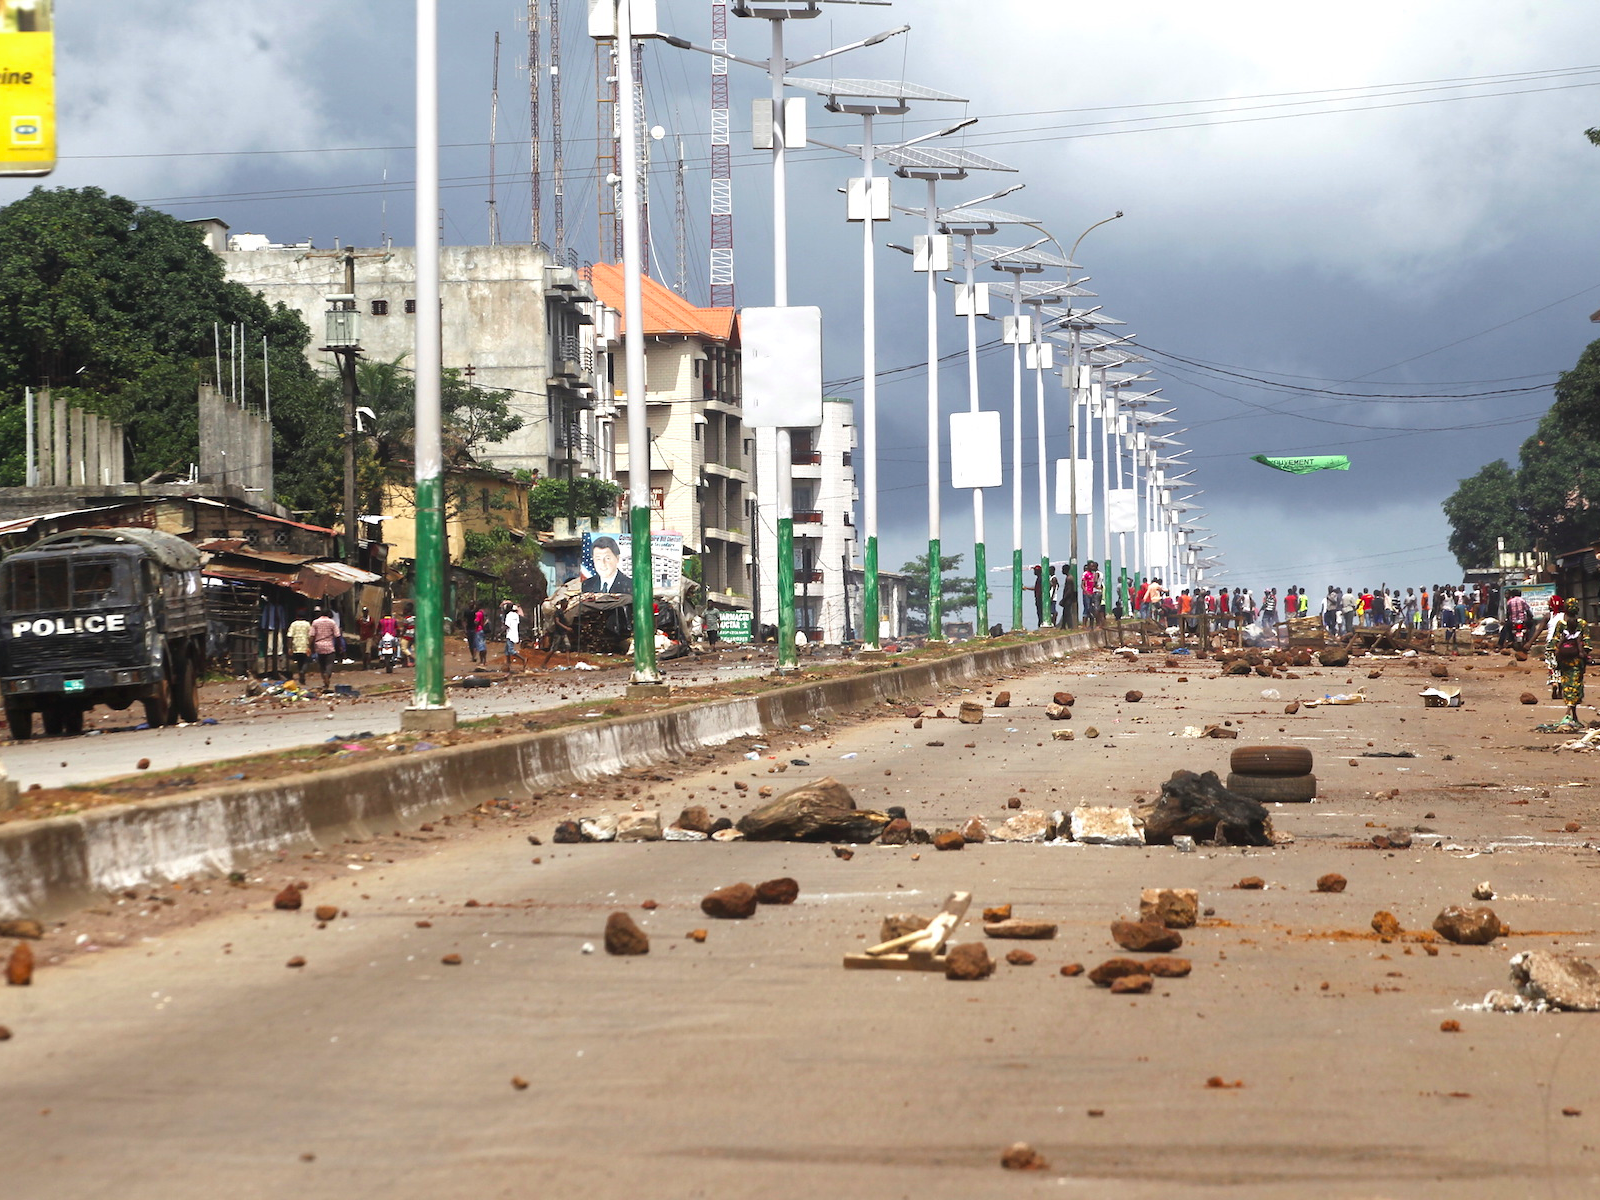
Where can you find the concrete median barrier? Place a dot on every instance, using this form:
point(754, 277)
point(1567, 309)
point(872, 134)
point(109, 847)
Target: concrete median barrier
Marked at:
point(51, 865)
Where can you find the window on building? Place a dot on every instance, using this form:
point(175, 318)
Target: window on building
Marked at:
point(483, 497)
point(380, 308)
point(411, 306)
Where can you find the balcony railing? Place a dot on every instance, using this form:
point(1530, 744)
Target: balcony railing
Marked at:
point(808, 516)
point(806, 458)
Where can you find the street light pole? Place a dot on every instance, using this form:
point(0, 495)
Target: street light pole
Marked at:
point(429, 709)
point(644, 626)
point(870, 620)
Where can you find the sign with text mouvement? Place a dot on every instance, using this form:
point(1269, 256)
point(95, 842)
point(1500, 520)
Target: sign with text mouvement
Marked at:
point(975, 458)
point(782, 367)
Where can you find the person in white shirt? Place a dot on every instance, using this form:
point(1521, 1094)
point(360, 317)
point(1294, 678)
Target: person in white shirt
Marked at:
point(511, 618)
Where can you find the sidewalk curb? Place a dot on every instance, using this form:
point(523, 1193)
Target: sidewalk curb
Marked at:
point(54, 864)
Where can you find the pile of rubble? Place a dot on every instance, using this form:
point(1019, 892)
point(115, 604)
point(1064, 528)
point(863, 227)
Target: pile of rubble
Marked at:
point(1190, 807)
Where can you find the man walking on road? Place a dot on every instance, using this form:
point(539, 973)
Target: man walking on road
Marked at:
point(324, 640)
point(511, 618)
point(299, 635)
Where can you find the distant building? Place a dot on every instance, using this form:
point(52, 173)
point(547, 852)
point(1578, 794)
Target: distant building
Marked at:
point(700, 452)
point(511, 318)
point(824, 529)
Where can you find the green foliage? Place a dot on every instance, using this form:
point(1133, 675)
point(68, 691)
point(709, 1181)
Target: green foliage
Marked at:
point(515, 560)
point(958, 593)
point(1482, 510)
point(112, 306)
point(1552, 498)
point(553, 499)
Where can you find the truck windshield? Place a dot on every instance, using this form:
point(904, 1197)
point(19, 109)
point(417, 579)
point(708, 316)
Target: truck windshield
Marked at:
point(59, 585)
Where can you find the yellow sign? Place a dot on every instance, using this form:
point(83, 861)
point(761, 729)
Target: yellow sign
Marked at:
point(27, 88)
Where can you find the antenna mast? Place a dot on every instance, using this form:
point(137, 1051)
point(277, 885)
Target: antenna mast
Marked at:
point(721, 164)
point(608, 244)
point(534, 129)
point(680, 224)
point(558, 182)
point(494, 118)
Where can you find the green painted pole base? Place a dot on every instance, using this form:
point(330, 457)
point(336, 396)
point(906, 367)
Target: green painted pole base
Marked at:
point(980, 565)
point(1122, 587)
point(1016, 591)
point(644, 617)
point(427, 598)
point(869, 598)
point(1049, 607)
point(935, 593)
point(788, 659)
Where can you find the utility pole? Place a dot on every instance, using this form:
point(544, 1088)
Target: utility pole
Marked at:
point(344, 343)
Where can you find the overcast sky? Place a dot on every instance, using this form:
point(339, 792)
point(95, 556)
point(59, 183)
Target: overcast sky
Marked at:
point(1373, 198)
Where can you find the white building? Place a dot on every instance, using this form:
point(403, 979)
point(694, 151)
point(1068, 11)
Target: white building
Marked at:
point(700, 452)
point(510, 316)
point(824, 525)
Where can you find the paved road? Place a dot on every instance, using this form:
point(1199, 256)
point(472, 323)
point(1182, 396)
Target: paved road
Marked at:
point(253, 728)
point(753, 1065)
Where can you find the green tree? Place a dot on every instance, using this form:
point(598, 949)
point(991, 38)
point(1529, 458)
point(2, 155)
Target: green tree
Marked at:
point(514, 559)
point(112, 306)
point(554, 499)
point(468, 417)
point(959, 593)
point(1483, 509)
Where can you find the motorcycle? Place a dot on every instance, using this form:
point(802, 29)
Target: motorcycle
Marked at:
point(388, 652)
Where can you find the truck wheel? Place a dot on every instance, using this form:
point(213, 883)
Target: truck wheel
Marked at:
point(21, 722)
point(52, 721)
point(158, 705)
point(186, 688)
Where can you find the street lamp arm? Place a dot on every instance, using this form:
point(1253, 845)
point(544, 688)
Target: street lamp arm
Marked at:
point(1090, 230)
point(1005, 191)
point(685, 44)
point(862, 44)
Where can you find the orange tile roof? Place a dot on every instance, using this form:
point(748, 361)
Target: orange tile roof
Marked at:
point(665, 312)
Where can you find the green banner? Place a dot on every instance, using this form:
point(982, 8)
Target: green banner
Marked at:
point(1304, 466)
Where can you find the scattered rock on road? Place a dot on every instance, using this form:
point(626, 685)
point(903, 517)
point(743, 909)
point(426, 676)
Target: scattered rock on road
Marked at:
point(327, 912)
point(899, 924)
point(971, 713)
point(624, 937)
point(1021, 958)
point(975, 830)
point(1135, 985)
point(1167, 967)
point(1145, 936)
point(1133, 697)
point(289, 899)
point(1199, 806)
point(948, 839)
point(1557, 980)
point(823, 811)
point(21, 927)
point(1176, 908)
point(1002, 699)
point(1331, 882)
point(567, 833)
point(1058, 712)
point(732, 903)
point(998, 912)
point(1030, 825)
point(1468, 925)
point(1386, 924)
point(19, 967)
point(1251, 883)
point(968, 961)
point(1019, 1156)
point(777, 891)
point(1020, 927)
point(639, 826)
point(1106, 826)
point(1065, 699)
